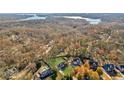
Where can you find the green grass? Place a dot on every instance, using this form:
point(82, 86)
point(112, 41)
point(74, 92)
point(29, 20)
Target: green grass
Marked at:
point(55, 62)
point(68, 70)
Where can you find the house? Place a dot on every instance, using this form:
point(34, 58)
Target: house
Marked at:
point(93, 65)
point(110, 69)
point(76, 62)
point(46, 74)
point(61, 66)
point(120, 68)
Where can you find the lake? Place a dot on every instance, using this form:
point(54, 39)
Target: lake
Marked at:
point(90, 20)
point(34, 17)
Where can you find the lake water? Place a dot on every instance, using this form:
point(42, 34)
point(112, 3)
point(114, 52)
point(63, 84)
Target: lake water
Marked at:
point(34, 17)
point(90, 20)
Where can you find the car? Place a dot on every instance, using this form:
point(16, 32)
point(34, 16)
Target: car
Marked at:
point(93, 65)
point(120, 68)
point(46, 74)
point(61, 66)
point(110, 69)
point(76, 62)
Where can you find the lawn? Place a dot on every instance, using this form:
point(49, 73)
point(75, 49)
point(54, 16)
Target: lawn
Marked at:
point(54, 62)
point(68, 70)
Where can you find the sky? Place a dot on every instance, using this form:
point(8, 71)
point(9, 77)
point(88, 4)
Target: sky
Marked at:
point(61, 6)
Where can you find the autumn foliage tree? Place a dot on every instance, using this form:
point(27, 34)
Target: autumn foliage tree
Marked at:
point(99, 71)
point(94, 75)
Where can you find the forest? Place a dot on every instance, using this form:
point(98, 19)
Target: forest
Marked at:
point(58, 48)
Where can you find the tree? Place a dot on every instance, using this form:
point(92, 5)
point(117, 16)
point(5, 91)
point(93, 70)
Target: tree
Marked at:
point(77, 69)
point(94, 75)
point(99, 71)
point(55, 75)
point(86, 71)
point(86, 64)
point(67, 77)
point(80, 77)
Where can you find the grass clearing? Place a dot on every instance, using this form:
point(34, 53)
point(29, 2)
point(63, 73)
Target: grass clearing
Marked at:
point(68, 70)
point(55, 62)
